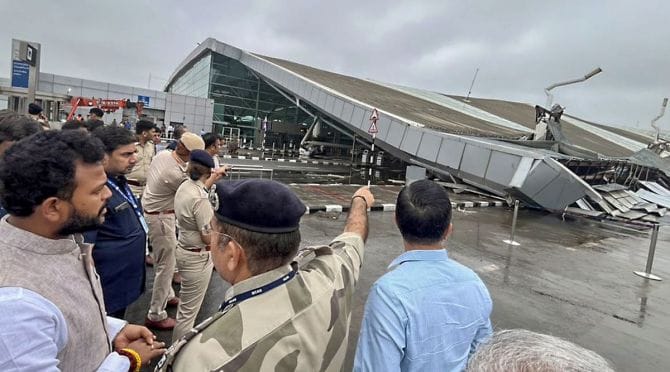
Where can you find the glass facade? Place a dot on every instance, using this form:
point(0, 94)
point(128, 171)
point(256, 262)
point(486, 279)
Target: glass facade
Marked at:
point(242, 102)
point(195, 82)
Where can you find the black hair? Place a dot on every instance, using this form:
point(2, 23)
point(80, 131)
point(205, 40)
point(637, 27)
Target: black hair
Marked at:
point(264, 251)
point(114, 137)
point(71, 124)
point(210, 139)
point(43, 166)
point(14, 127)
point(158, 129)
point(197, 170)
point(178, 131)
point(93, 124)
point(423, 212)
point(143, 126)
point(97, 112)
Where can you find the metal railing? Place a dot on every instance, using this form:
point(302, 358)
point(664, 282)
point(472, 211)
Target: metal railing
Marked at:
point(249, 170)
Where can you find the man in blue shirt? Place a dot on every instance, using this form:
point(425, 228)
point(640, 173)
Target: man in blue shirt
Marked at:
point(429, 313)
point(120, 241)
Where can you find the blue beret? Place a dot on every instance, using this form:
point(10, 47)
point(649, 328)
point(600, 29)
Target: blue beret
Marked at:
point(257, 205)
point(202, 157)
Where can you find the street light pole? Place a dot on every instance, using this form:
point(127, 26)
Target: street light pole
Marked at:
point(653, 122)
point(550, 97)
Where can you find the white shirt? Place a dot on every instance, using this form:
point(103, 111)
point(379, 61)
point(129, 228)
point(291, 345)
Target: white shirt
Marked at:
point(33, 331)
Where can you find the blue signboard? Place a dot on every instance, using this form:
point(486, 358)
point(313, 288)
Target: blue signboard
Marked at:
point(20, 72)
point(144, 99)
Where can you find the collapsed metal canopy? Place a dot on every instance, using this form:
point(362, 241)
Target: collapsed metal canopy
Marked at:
point(425, 129)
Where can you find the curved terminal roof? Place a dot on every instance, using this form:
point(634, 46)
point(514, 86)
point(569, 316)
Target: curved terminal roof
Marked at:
point(440, 132)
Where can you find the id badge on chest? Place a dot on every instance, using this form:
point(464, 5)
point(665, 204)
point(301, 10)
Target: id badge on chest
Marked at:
point(143, 222)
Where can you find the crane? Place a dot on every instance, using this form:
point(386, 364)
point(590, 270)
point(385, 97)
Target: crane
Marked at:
point(106, 105)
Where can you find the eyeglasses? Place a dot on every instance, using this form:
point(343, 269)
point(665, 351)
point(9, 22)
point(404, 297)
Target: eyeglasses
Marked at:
point(225, 238)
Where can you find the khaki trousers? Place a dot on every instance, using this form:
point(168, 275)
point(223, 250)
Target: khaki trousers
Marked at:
point(164, 242)
point(196, 270)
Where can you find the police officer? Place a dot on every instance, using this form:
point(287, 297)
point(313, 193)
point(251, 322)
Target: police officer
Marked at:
point(193, 214)
point(278, 314)
point(146, 150)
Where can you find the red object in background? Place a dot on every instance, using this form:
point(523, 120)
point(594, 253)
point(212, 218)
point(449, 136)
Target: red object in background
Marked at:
point(106, 105)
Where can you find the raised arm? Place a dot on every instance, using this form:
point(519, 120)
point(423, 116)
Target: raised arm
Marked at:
point(357, 221)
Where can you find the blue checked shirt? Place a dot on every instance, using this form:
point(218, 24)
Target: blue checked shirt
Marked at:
point(428, 314)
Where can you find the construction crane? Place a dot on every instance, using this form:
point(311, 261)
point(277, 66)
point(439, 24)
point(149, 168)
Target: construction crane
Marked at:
point(106, 105)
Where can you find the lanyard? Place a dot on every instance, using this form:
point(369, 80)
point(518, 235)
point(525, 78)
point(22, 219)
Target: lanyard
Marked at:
point(226, 305)
point(165, 363)
point(130, 198)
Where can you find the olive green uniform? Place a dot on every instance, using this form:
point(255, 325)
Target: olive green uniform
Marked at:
point(300, 325)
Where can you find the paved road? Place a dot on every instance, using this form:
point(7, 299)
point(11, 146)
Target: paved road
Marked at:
point(568, 278)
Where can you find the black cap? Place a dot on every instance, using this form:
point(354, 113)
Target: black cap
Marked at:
point(96, 111)
point(202, 157)
point(34, 109)
point(257, 205)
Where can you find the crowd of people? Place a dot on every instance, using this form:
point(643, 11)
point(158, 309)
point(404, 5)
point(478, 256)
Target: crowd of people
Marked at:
point(82, 205)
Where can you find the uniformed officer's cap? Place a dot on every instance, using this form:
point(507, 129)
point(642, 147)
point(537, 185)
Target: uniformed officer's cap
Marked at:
point(202, 157)
point(257, 205)
point(192, 141)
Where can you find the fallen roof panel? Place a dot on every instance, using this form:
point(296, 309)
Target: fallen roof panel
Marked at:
point(654, 198)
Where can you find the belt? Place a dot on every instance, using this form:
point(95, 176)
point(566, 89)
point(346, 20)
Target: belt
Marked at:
point(198, 250)
point(136, 183)
point(170, 211)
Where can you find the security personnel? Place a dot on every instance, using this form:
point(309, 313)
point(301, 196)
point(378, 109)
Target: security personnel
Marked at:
point(193, 214)
point(278, 314)
point(120, 241)
point(146, 150)
point(166, 173)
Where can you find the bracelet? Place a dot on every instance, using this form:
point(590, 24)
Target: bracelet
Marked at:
point(360, 196)
point(135, 359)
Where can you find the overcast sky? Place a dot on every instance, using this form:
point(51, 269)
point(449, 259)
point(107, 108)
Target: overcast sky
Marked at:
point(520, 47)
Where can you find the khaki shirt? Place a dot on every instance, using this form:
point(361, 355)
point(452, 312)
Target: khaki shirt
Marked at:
point(302, 325)
point(165, 175)
point(193, 213)
point(139, 173)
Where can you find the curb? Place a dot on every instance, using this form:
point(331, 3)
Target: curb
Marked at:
point(391, 207)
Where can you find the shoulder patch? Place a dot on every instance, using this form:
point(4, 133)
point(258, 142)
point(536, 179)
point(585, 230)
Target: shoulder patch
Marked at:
point(214, 198)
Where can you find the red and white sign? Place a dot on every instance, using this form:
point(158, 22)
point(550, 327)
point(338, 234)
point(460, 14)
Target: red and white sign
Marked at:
point(373, 118)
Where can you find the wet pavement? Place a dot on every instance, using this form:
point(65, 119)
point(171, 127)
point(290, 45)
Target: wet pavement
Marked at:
point(572, 279)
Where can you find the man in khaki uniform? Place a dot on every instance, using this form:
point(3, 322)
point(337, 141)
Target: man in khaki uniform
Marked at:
point(278, 314)
point(166, 173)
point(194, 214)
point(146, 150)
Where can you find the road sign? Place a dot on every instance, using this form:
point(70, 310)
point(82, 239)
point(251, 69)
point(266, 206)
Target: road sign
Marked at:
point(373, 125)
point(146, 100)
point(20, 74)
point(31, 55)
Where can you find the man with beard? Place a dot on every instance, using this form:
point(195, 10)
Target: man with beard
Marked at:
point(53, 185)
point(121, 240)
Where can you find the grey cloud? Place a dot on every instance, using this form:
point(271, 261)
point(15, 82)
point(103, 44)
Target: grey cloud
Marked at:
point(519, 46)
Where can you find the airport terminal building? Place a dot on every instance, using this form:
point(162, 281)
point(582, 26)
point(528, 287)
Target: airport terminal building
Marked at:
point(483, 142)
point(55, 92)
